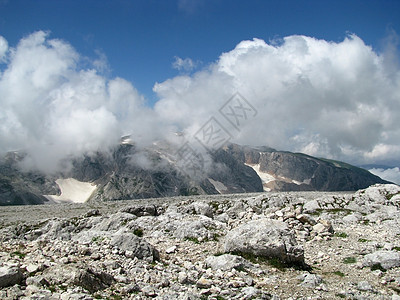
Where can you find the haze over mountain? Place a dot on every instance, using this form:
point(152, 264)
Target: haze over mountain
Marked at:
point(328, 99)
point(163, 170)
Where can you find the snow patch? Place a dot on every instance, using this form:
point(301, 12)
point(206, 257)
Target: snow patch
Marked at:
point(265, 177)
point(73, 190)
point(219, 186)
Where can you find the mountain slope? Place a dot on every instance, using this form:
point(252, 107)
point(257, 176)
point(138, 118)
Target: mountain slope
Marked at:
point(296, 171)
point(129, 173)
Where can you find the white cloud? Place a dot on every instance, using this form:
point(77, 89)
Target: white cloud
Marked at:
point(392, 174)
point(186, 64)
point(336, 100)
point(3, 49)
point(329, 99)
point(54, 110)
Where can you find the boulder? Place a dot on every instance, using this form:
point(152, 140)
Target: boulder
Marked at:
point(386, 259)
point(265, 238)
point(10, 276)
point(93, 281)
point(141, 210)
point(135, 246)
point(226, 262)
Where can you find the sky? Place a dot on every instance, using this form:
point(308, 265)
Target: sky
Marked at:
point(321, 77)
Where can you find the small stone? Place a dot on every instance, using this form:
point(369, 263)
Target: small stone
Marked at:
point(33, 268)
point(204, 283)
point(149, 291)
point(364, 286)
point(319, 228)
point(171, 250)
point(64, 260)
point(183, 278)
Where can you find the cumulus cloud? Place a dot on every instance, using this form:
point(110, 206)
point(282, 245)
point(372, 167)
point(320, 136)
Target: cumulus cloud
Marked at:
point(53, 109)
point(391, 174)
point(330, 99)
point(3, 49)
point(186, 64)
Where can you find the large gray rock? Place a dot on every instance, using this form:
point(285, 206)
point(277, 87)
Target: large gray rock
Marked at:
point(93, 281)
point(265, 238)
point(387, 259)
point(202, 228)
point(201, 208)
point(10, 276)
point(141, 210)
point(226, 262)
point(134, 246)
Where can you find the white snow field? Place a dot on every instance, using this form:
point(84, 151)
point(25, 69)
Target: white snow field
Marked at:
point(73, 190)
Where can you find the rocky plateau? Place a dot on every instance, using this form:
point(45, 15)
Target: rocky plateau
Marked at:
point(286, 245)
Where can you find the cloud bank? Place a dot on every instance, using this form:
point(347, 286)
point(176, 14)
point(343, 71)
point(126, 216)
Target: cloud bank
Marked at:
point(337, 100)
point(53, 109)
point(391, 174)
point(331, 99)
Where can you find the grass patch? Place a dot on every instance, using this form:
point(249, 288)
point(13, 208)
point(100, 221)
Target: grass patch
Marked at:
point(240, 268)
point(193, 240)
point(361, 240)
point(378, 267)
point(341, 234)
point(272, 261)
point(340, 295)
point(20, 254)
point(349, 260)
point(366, 222)
point(397, 248)
point(214, 205)
point(97, 239)
point(338, 273)
point(138, 232)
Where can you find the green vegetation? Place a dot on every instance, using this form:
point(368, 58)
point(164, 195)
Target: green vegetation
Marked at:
point(349, 260)
point(20, 254)
point(272, 261)
point(214, 205)
point(341, 234)
point(396, 248)
point(138, 232)
point(362, 240)
point(340, 295)
point(97, 239)
point(338, 273)
point(193, 240)
point(377, 267)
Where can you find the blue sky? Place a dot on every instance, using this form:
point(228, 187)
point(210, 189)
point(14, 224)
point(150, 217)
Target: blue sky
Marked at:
point(324, 76)
point(141, 38)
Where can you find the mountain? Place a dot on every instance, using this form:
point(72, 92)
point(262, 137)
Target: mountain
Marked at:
point(130, 173)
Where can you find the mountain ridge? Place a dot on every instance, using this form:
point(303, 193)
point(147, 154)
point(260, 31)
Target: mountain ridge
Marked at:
point(128, 172)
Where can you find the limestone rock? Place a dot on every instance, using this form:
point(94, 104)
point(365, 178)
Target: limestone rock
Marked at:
point(137, 246)
point(10, 276)
point(265, 238)
point(387, 259)
point(226, 262)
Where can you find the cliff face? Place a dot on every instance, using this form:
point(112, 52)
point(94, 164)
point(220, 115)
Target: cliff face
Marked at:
point(288, 171)
point(127, 173)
